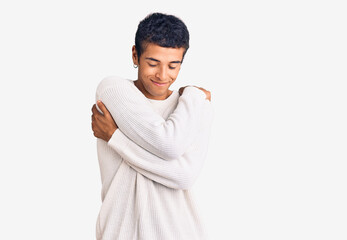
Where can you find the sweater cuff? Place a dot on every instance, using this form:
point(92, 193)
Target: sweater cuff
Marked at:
point(194, 90)
point(118, 141)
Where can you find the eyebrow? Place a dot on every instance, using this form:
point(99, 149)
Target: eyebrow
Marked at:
point(156, 60)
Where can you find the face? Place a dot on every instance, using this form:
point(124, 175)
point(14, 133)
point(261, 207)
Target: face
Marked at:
point(158, 68)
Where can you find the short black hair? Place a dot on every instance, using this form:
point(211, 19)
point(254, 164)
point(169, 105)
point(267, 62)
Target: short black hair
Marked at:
point(163, 30)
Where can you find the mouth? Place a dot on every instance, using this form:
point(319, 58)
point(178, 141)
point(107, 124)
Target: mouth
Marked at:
point(159, 84)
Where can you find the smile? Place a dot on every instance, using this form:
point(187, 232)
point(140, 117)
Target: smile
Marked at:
point(159, 84)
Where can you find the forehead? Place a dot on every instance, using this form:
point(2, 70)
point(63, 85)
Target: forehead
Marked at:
point(163, 54)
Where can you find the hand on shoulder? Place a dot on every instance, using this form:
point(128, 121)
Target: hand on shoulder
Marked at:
point(208, 93)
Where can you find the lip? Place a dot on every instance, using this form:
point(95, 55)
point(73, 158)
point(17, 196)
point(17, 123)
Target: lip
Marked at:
point(159, 84)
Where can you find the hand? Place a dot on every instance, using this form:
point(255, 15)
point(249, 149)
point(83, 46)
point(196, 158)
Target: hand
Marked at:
point(208, 93)
point(103, 125)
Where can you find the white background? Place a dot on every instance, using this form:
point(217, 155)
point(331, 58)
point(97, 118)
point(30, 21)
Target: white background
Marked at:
point(276, 167)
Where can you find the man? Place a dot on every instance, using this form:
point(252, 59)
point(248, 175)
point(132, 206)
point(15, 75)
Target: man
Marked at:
point(151, 141)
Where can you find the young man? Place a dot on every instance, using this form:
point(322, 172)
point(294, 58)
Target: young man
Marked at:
point(151, 141)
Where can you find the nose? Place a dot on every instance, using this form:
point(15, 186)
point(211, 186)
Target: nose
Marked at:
point(162, 73)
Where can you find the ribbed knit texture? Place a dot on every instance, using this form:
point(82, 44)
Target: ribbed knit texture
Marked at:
point(151, 162)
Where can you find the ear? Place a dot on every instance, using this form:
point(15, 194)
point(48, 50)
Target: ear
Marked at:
point(134, 55)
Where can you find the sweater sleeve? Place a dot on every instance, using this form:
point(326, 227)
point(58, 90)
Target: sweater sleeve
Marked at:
point(179, 173)
point(137, 119)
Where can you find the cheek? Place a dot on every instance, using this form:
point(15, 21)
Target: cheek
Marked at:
point(147, 71)
point(174, 74)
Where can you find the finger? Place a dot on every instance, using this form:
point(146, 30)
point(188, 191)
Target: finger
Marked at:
point(103, 108)
point(180, 91)
point(94, 110)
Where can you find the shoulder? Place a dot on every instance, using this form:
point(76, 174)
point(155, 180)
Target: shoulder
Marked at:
point(114, 82)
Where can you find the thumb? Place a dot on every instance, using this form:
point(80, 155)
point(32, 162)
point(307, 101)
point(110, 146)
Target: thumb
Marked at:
point(101, 107)
point(180, 91)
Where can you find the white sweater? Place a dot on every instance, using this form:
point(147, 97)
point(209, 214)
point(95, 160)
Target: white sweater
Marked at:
point(150, 162)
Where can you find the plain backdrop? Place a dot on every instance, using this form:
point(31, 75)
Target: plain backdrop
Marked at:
point(276, 166)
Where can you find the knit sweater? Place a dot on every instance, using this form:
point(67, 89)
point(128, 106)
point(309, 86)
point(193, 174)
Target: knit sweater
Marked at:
point(151, 162)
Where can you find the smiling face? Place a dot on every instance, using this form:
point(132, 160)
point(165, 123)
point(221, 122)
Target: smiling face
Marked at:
point(158, 68)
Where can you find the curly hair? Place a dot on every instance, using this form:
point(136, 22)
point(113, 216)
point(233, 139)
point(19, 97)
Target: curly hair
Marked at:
point(163, 30)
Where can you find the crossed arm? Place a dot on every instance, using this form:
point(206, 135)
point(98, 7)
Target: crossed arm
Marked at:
point(136, 118)
point(179, 172)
